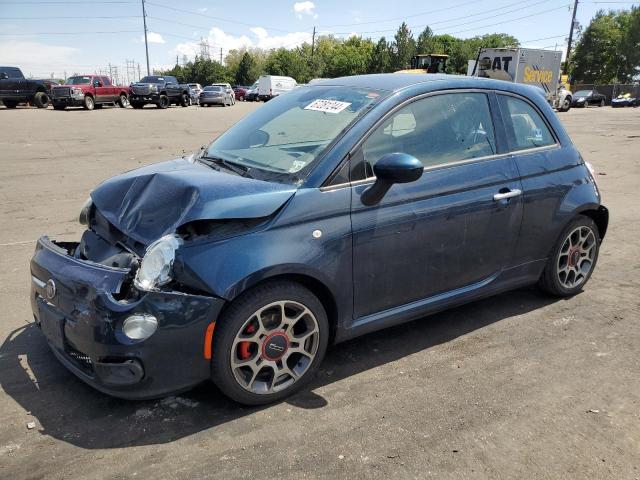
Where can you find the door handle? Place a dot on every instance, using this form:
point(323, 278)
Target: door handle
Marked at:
point(506, 195)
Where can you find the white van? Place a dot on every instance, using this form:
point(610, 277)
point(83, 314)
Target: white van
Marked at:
point(270, 86)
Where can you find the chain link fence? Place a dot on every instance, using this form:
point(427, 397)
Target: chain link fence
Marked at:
point(611, 90)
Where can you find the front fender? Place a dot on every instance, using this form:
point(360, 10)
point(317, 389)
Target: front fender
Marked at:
point(310, 237)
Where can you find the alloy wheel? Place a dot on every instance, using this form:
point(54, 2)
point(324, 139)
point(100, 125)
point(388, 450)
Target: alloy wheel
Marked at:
point(275, 347)
point(576, 257)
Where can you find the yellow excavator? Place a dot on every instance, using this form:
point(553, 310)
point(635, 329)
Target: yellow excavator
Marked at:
point(427, 63)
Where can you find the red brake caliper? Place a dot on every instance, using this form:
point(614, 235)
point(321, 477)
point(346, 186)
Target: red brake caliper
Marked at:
point(244, 346)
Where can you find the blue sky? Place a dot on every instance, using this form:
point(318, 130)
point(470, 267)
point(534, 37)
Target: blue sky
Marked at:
point(43, 38)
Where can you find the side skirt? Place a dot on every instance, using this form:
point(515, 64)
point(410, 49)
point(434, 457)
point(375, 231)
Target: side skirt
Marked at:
point(509, 279)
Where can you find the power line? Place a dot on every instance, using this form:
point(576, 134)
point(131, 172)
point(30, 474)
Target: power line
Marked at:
point(88, 17)
point(220, 19)
point(68, 2)
point(436, 11)
point(66, 33)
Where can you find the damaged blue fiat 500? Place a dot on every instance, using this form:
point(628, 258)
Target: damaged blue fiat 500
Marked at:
point(337, 209)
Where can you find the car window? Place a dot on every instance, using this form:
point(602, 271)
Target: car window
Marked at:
point(437, 130)
point(12, 73)
point(105, 81)
point(528, 129)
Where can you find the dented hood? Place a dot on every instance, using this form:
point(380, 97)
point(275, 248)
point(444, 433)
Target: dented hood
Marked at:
point(153, 201)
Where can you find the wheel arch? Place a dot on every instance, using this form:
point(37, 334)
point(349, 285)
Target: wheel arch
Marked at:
point(317, 286)
point(600, 216)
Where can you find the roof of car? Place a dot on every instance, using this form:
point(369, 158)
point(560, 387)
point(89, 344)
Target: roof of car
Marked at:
point(397, 81)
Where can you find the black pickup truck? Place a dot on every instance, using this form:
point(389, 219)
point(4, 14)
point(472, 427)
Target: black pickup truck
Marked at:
point(160, 90)
point(15, 89)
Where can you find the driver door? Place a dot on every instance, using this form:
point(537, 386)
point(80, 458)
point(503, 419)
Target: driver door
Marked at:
point(444, 231)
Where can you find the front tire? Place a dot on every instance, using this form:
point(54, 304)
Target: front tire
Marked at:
point(10, 103)
point(137, 105)
point(566, 104)
point(573, 260)
point(41, 100)
point(601, 103)
point(269, 343)
point(163, 102)
point(123, 101)
point(88, 103)
point(184, 100)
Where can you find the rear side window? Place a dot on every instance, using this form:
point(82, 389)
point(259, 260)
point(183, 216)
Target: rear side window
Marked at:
point(437, 130)
point(526, 126)
point(12, 73)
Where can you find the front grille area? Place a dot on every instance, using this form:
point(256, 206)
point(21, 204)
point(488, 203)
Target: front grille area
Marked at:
point(60, 92)
point(140, 89)
point(81, 360)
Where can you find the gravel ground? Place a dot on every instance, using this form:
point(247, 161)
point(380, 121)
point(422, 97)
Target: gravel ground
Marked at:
point(515, 386)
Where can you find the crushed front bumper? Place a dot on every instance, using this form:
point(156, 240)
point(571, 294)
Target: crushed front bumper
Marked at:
point(73, 302)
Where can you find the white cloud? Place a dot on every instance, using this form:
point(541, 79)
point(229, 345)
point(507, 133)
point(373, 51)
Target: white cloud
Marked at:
point(153, 37)
point(203, 9)
point(304, 8)
point(38, 59)
point(218, 38)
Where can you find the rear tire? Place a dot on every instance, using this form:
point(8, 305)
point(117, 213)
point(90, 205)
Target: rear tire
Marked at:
point(573, 259)
point(566, 105)
point(276, 364)
point(88, 103)
point(184, 100)
point(41, 100)
point(601, 103)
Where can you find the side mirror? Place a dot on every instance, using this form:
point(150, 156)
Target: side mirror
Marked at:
point(97, 83)
point(391, 168)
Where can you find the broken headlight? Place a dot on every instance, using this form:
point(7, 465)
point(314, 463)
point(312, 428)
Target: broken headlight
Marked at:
point(85, 212)
point(157, 263)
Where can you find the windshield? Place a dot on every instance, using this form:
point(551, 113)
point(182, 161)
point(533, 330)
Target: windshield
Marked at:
point(152, 79)
point(194, 85)
point(212, 89)
point(583, 93)
point(286, 136)
point(78, 80)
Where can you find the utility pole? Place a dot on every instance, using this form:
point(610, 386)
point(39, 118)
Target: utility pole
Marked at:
point(313, 42)
point(220, 55)
point(139, 76)
point(573, 22)
point(146, 44)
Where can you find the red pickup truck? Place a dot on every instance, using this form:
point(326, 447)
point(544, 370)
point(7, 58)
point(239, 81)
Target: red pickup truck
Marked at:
point(88, 91)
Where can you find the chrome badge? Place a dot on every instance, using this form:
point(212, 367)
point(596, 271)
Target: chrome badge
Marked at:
point(50, 289)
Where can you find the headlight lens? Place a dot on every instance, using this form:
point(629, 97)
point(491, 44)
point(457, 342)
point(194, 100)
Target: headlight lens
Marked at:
point(85, 212)
point(157, 263)
point(140, 326)
point(153, 88)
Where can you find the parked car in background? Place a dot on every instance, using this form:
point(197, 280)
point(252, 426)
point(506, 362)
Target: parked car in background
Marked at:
point(196, 87)
point(89, 92)
point(15, 89)
point(625, 100)
point(240, 93)
point(194, 96)
point(215, 95)
point(228, 90)
point(333, 211)
point(159, 90)
point(270, 86)
point(252, 93)
point(584, 98)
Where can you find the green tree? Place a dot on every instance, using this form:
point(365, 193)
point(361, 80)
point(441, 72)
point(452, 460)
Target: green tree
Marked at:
point(350, 57)
point(287, 62)
point(600, 55)
point(245, 74)
point(403, 48)
point(631, 44)
point(380, 57)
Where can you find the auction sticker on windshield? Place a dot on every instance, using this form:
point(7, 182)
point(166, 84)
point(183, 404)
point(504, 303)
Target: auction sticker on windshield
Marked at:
point(327, 106)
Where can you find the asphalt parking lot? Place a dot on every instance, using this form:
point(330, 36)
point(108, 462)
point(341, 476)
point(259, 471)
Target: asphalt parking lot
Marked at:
point(516, 386)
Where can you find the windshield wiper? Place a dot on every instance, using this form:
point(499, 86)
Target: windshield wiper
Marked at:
point(232, 166)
